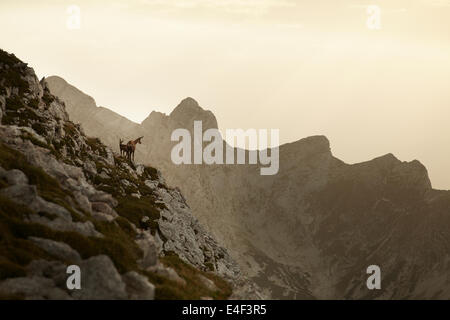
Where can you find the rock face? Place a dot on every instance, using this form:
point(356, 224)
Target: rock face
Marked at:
point(312, 230)
point(67, 199)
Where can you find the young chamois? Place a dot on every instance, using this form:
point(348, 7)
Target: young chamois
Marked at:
point(123, 148)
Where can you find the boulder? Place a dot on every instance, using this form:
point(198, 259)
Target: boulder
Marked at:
point(27, 195)
point(140, 169)
point(103, 207)
point(138, 287)
point(100, 216)
point(15, 176)
point(104, 175)
point(168, 273)
point(129, 169)
point(54, 270)
point(90, 168)
point(101, 196)
point(208, 283)
point(149, 249)
point(152, 184)
point(100, 280)
point(57, 249)
point(109, 157)
point(32, 288)
point(82, 201)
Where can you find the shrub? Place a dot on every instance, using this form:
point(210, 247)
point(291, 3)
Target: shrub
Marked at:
point(15, 252)
point(135, 209)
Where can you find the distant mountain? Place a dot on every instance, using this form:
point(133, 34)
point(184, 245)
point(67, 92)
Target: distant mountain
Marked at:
point(310, 231)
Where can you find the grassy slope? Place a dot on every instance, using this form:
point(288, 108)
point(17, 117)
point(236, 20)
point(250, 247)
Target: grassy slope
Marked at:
point(16, 251)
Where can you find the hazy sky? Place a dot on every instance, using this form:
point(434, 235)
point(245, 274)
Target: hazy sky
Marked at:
point(305, 67)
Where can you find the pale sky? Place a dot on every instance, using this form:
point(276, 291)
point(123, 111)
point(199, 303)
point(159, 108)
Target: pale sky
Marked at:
point(304, 67)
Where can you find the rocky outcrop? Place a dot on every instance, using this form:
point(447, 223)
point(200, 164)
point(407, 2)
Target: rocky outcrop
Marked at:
point(68, 199)
point(311, 230)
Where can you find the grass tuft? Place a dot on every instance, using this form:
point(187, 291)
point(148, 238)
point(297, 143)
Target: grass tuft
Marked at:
point(194, 289)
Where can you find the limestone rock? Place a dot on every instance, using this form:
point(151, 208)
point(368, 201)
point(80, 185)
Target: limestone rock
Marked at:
point(104, 197)
point(15, 176)
point(57, 249)
point(100, 280)
point(148, 245)
point(54, 270)
point(90, 168)
point(138, 287)
point(103, 207)
point(208, 283)
point(168, 273)
point(33, 288)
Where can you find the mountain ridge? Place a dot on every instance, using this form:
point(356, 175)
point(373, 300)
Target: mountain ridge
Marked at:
point(312, 230)
point(190, 106)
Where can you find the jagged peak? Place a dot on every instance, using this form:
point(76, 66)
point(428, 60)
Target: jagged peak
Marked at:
point(59, 86)
point(185, 107)
point(189, 110)
point(388, 158)
point(187, 103)
point(154, 118)
point(411, 173)
point(309, 145)
point(55, 78)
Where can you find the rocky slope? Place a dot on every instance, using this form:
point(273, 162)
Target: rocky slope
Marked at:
point(311, 230)
point(68, 199)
